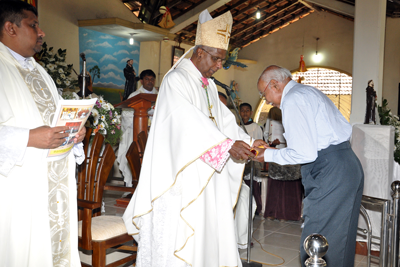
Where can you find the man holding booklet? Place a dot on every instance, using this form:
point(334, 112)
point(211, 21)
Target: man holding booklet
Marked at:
point(38, 222)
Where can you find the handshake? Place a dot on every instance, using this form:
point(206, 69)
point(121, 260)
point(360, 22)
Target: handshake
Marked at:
point(242, 151)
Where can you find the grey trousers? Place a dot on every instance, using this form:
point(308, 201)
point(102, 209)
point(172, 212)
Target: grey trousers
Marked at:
point(333, 186)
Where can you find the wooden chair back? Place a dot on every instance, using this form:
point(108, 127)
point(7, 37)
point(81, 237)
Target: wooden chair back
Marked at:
point(133, 157)
point(98, 163)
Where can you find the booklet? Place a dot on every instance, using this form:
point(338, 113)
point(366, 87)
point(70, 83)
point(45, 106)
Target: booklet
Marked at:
point(74, 114)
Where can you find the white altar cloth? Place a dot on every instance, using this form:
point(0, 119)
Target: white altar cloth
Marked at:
point(373, 145)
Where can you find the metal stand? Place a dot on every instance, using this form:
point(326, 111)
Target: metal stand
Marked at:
point(247, 263)
point(83, 74)
point(316, 247)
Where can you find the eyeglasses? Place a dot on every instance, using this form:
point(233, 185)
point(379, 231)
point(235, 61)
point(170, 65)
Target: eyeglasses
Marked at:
point(262, 95)
point(214, 58)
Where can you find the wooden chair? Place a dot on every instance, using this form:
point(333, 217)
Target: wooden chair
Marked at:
point(133, 157)
point(98, 233)
point(142, 140)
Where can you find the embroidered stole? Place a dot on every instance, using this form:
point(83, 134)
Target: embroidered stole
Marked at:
point(57, 174)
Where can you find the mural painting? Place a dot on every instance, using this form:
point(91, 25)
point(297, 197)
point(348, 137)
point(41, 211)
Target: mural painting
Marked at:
point(106, 58)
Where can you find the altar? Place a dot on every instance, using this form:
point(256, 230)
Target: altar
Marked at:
point(373, 145)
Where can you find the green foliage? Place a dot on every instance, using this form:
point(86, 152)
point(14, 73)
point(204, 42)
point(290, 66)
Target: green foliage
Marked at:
point(95, 72)
point(56, 67)
point(387, 118)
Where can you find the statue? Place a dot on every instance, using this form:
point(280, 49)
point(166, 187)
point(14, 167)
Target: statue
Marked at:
point(371, 104)
point(131, 79)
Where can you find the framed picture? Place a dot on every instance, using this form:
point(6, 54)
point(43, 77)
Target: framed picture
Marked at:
point(177, 52)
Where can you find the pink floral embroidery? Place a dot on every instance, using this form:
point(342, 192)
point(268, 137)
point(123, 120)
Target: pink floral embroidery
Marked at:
point(204, 82)
point(218, 155)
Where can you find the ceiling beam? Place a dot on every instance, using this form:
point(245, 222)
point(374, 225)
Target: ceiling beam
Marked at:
point(335, 6)
point(229, 8)
point(262, 19)
point(310, 6)
point(271, 26)
point(193, 15)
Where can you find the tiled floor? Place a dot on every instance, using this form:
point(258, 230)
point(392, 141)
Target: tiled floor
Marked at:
point(275, 243)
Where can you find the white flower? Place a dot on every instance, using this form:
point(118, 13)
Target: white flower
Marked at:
point(50, 53)
point(103, 127)
point(67, 83)
point(114, 121)
point(105, 105)
point(60, 70)
point(96, 121)
point(110, 106)
point(75, 96)
point(95, 113)
point(62, 75)
point(103, 118)
point(50, 67)
point(42, 64)
point(52, 59)
point(58, 81)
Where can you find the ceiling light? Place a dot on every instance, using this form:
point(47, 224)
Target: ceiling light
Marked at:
point(258, 14)
point(131, 40)
point(317, 58)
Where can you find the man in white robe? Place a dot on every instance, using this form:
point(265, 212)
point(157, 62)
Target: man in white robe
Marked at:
point(147, 79)
point(181, 213)
point(38, 222)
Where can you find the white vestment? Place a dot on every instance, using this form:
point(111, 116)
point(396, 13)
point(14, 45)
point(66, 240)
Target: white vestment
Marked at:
point(127, 136)
point(28, 205)
point(242, 207)
point(182, 210)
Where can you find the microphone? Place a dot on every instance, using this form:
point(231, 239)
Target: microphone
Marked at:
point(226, 87)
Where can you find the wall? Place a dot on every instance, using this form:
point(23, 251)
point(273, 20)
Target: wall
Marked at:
point(391, 65)
point(158, 59)
point(284, 48)
point(59, 20)
point(110, 53)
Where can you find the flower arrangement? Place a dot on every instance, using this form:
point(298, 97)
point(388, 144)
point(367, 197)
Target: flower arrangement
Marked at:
point(387, 118)
point(104, 119)
point(56, 67)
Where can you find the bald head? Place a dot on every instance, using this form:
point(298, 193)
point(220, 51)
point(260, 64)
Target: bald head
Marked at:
point(271, 83)
point(275, 72)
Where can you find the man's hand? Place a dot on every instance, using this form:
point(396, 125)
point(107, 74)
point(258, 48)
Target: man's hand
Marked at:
point(260, 143)
point(46, 137)
point(260, 155)
point(240, 151)
point(80, 135)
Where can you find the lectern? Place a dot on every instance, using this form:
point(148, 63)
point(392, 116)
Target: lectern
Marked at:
point(140, 104)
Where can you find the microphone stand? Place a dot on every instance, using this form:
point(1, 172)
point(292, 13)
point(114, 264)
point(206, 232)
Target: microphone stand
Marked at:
point(83, 74)
point(247, 263)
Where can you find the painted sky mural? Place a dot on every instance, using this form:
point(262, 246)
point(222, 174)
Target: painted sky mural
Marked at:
point(110, 54)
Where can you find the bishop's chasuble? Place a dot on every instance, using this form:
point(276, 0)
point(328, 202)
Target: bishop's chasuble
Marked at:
point(38, 221)
point(181, 213)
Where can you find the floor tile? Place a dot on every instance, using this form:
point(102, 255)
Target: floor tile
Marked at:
point(282, 240)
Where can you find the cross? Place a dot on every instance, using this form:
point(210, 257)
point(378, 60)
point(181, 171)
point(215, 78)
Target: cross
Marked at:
point(225, 33)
